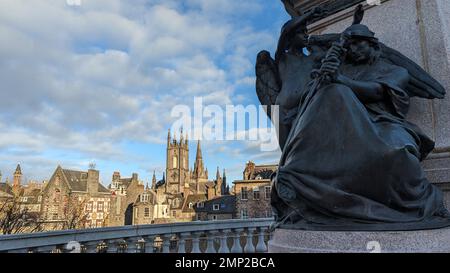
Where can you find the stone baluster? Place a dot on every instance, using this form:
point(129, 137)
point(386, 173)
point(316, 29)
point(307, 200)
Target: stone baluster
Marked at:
point(113, 245)
point(261, 247)
point(237, 248)
point(91, 246)
point(132, 244)
point(249, 247)
point(224, 242)
point(211, 235)
point(150, 244)
point(166, 243)
point(195, 242)
point(182, 242)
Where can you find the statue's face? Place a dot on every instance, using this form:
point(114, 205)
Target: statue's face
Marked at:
point(301, 38)
point(360, 50)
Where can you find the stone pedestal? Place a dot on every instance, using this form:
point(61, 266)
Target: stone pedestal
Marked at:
point(300, 241)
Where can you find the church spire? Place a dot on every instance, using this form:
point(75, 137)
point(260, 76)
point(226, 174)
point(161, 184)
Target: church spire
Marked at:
point(218, 173)
point(199, 152)
point(154, 180)
point(199, 170)
point(224, 189)
point(18, 170)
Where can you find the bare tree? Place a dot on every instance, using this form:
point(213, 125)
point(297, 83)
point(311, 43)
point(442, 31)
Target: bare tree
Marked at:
point(74, 214)
point(15, 218)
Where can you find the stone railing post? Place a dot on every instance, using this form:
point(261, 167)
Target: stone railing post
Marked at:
point(261, 247)
point(237, 248)
point(195, 242)
point(211, 235)
point(113, 246)
point(91, 246)
point(224, 241)
point(249, 247)
point(166, 243)
point(149, 244)
point(132, 244)
point(182, 242)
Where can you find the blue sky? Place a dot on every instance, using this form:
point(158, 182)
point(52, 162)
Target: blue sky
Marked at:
point(97, 82)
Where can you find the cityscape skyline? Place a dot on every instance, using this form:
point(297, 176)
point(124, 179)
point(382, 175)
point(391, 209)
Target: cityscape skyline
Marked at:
point(105, 95)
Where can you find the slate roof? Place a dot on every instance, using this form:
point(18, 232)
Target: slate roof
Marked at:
point(78, 181)
point(264, 171)
point(227, 205)
point(193, 198)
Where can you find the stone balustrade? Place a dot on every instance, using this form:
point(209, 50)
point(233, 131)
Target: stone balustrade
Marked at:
point(227, 236)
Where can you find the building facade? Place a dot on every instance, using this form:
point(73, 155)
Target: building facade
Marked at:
point(253, 191)
point(75, 199)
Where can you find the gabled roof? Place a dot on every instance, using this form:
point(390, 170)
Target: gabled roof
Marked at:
point(77, 180)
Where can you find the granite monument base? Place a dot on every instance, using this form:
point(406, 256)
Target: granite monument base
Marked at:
point(301, 241)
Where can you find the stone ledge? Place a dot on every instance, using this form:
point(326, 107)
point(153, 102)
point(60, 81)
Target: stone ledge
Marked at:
point(300, 241)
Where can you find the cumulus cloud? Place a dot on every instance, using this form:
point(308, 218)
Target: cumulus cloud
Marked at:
point(85, 79)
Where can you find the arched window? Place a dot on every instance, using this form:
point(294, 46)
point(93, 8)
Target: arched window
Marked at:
point(175, 162)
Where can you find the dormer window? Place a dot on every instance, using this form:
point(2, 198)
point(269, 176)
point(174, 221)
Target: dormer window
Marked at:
point(144, 197)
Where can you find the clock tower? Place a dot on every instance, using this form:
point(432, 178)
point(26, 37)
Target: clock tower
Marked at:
point(177, 164)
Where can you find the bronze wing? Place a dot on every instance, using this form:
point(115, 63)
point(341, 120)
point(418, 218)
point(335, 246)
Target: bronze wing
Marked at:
point(268, 84)
point(422, 84)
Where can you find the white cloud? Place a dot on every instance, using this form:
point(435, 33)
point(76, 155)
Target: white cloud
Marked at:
point(84, 79)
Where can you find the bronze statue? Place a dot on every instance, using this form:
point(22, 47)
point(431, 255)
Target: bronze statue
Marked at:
point(350, 159)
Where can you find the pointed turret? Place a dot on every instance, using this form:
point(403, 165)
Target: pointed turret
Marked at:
point(224, 189)
point(181, 136)
point(154, 180)
point(217, 173)
point(168, 138)
point(18, 170)
point(199, 170)
point(199, 152)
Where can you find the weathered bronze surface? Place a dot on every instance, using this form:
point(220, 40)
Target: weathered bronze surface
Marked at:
point(350, 160)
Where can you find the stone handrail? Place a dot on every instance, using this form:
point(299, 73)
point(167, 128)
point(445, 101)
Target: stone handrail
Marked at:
point(224, 236)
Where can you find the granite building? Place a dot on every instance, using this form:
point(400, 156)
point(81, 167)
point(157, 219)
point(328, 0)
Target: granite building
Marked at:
point(253, 191)
point(75, 199)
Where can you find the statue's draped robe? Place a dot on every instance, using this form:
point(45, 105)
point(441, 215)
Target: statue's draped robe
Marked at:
point(353, 166)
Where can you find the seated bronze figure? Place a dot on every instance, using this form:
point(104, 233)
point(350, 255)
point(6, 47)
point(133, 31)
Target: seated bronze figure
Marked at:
point(350, 159)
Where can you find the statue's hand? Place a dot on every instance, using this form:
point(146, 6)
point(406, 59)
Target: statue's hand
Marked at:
point(330, 66)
